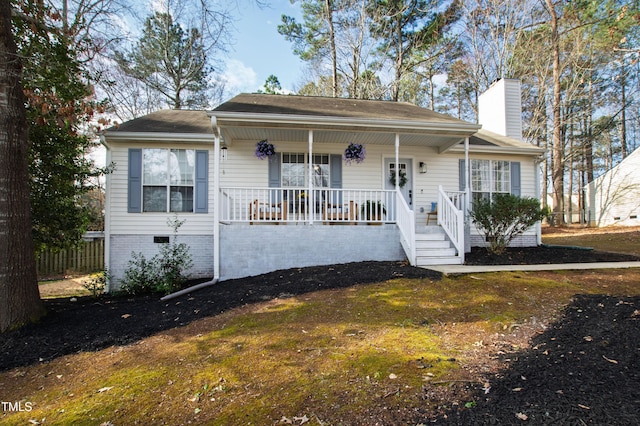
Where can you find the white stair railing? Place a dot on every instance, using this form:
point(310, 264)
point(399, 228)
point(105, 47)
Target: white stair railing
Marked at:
point(407, 224)
point(451, 218)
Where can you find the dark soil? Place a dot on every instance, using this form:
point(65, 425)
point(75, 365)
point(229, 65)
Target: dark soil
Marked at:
point(544, 255)
point(583, 370)
point(90, 324)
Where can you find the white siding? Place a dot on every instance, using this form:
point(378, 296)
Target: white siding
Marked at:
point(614, 198)
point(122, 222)
point(243, 169)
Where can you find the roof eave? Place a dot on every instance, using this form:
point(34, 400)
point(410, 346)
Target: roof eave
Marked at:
point(296, 121)
point(533, 150)
point(159, 137)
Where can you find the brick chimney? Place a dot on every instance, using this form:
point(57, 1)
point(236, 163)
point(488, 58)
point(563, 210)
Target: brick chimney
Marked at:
point(500, 108)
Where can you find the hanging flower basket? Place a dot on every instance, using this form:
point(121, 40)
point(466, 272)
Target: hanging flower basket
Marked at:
point(264, 149)
point(354, 152)
point(403, 178)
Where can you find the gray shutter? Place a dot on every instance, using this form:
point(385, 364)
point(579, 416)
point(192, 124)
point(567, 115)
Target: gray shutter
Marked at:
point(461, 175)
point(274, 175)
point(134, 187)
point(515, 178)
point(335, 173)
point(202, 182)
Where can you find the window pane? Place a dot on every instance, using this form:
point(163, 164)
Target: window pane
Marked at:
point(321, 170)
point(181, 199)
point(501, 176)
point(155, 166)
point(480, 175)
point(182, 166)
point(154, 199)
point(293, 170)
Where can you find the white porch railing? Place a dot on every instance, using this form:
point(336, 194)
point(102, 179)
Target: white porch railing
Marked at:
point(299, 205)
point(451, 217)
point(407, 225)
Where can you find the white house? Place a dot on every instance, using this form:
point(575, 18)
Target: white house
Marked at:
point(305, 205)
point(614, 197)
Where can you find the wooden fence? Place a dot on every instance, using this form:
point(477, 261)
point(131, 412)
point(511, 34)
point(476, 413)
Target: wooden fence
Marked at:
point(87, 258)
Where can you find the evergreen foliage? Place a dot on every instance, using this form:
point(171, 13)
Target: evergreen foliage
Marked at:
point(171, 61)
point(60, 109)
point(505, 217)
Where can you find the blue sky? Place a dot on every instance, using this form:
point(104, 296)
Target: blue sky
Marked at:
point(260, 51)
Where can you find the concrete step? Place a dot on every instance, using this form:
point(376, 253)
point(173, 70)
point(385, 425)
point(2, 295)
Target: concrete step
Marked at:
point(432, 244)
point(431, 237)
point(444, 260)
point(433, 248)
point(435, 252)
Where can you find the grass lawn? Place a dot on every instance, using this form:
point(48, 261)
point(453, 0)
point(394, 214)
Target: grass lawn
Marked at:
point(392, 352)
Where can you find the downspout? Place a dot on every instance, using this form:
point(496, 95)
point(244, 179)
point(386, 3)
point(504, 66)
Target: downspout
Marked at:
point(467, 201)
point(216, 198)
point(107, 211)
point(312, 201)
point(536, 172)
point(216, 219)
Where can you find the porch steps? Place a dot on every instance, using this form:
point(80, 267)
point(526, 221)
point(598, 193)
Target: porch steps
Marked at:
point(433, 248)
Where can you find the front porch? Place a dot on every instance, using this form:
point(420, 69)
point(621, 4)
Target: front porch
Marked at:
point(306, 235)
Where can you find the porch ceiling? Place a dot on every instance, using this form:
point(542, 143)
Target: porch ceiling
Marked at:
point(445, 140)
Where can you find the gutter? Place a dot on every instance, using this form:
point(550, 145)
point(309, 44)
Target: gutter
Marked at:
point(534, 150)
point(155, 136)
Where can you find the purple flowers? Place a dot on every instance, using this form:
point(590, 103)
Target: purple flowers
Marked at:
point(354, 152)
point(264, 149)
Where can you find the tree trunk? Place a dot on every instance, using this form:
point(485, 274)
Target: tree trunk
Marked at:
point(334, 56)
point(399, 59)
point(557, 171)
point(623, 118)
point(19, 296)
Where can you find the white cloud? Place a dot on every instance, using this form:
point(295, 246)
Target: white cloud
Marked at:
point(239, 77)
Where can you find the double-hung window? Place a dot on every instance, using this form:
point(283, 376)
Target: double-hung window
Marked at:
point(168, 180)
point(490, 177)
point(295, 167)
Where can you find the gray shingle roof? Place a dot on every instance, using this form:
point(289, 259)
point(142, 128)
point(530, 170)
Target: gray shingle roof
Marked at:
point(331, 107)
point(168, 121)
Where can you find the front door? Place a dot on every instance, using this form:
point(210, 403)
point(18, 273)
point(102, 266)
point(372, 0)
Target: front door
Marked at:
point(406, 177)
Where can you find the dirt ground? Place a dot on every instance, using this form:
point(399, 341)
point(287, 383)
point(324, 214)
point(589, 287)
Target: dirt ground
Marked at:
point(583, 369)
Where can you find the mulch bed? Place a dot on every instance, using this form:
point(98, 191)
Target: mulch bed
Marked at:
point(544, 255)
point(582, 370)
point(90, 324)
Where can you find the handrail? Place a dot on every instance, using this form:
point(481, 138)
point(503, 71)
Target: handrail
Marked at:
point(407, 225)
point(451, 219)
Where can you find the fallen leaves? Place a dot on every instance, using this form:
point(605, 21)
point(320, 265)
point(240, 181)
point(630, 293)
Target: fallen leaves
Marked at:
point(294, 420)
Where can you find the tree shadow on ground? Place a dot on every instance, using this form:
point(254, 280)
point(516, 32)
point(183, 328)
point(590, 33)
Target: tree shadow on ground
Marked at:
point(582, 370)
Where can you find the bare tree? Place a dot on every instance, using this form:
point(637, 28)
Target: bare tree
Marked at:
point(19, 296)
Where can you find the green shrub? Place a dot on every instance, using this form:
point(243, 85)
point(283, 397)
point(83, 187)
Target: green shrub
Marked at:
point(141, 275)
point(163, 273)
point(97, 283)
point(505, 217)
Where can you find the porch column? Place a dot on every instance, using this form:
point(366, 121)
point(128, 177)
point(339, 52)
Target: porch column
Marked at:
point(216, 199)
point(397, 168)
point(312, 202)
point(467, 202)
